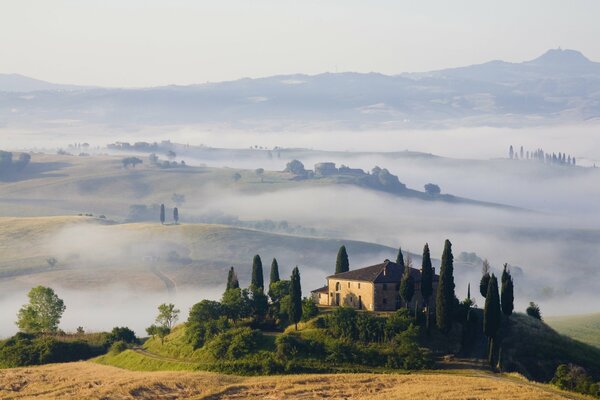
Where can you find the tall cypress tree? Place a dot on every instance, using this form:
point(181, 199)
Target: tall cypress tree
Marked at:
point(274, 275)
point(162, 213)
point(257, 281)
point(445, 291)
point(407, 286)
point(342, 264)
point(176, 215)
point(426, 280)
point(492, 317)
point(485, 278)
point(295, 310)
point(507, 294)
point(400, 257)
point(232, 280)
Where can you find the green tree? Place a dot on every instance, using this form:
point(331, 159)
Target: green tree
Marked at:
point(485, 278)
point(260, 305)
point(407, 285)
point(295, 310)
point(162, 213)
point(273, 276)
point(342, 264)
point(176, 215)
point(492, 317)
point(426, 280)
point(534, 311)
point(400, 257)
point(507, 294)
point(43, 312)
point(237, 303)
point(167, 315)
point(309, 309)
point(445, 291)
point(257, 281)
point(232, 280)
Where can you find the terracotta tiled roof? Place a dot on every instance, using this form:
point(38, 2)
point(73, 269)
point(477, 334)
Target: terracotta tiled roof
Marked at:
point(323, 289)
point(385, 272)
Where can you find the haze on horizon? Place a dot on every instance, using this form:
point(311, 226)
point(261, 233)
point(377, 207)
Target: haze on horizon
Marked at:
point(153, 43)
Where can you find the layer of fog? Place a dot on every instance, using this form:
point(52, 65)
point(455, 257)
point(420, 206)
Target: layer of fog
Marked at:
point(476, 143)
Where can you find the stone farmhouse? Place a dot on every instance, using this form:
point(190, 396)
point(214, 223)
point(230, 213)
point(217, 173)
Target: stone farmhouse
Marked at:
point(374, 288)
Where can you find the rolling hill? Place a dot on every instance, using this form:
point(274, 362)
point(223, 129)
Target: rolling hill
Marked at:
point(585, 328)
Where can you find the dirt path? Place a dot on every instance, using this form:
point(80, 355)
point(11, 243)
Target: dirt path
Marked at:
point(169, 284)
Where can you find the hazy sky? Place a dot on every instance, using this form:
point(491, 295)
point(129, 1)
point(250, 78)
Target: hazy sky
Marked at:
point(148, 42)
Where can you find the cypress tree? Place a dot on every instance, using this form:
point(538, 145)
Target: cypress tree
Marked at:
point(407, 286)
point(295, 310)
point(162, 213)
point(176, 215)
point(257, 281)
point(485, 278)
point(507, 294)
point(400, 257)
point(445, 291)
point(342, 264)
point(492, 317)
point(426, 279)
point(232, 280)
point(274, 276)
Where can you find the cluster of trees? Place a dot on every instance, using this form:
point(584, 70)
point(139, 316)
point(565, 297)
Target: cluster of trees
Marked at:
point(168, 315)
point(575, 378)
point(133, 161)
point(275, 308)
point(542, 156)
point(9, 164)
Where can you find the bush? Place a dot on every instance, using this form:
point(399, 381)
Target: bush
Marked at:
point(234, 344)
point(574, 378)
point(309, 309)
point(118, 347)
point(342, 323)
point(534, 311)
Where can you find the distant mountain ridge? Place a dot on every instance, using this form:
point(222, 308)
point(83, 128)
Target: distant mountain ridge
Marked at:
point(560, 85)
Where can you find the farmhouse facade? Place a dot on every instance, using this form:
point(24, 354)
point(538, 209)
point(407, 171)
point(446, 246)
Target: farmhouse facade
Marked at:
point(374, 288)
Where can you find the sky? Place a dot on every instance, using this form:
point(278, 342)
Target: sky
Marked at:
point(136, 43)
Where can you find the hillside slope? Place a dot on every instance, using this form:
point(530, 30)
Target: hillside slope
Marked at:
point(585, 328)
point(93, 381)
point(92, 252)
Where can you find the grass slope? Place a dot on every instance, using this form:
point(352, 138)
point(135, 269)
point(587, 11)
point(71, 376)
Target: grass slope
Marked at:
point(585, 328)
point(93, 381)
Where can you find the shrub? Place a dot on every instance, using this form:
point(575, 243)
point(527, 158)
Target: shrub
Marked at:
point(534, 311)
point(118, 347)
point(234, 344)
point(122, 333)
point(342, 323)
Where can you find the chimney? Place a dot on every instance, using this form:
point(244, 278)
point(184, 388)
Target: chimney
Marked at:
point(385, 267)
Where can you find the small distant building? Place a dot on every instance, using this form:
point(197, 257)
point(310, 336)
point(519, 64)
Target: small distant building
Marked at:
point(374, 288)
point(325, 168)
point(351, 171)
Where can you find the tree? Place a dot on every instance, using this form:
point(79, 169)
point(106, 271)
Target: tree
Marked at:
point(273, 276)
point(507, 295)
point(432, 189)
point(492, 316)
point(400, 258)
point(485, 278)
point(511, 152)
point(131, 161)
point(236, 176)
point(295, 167)
point(43, 312)
point(176, 215)
point(309, 309)
point(171, 155)
point(257, 281)
point(295, 310)
point(167, 315)
point(232, 280)
point(445, 291)
point(426, 279)
point(342, 264)
point(259, 172)
point(407, 285)
point(162, 213)
point(534, 311)
point(260, 305)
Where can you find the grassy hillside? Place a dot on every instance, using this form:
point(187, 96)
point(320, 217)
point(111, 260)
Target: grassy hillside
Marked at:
point(585, 328)
point(93, 381)
point(92, 252)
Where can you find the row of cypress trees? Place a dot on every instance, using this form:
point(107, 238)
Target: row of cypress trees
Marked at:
point(257, 285)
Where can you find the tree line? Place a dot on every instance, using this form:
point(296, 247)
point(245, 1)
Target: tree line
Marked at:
point(541, 156)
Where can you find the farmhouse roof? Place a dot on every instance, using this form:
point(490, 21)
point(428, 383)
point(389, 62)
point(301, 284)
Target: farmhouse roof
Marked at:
point(323, 289)
point(385, 272)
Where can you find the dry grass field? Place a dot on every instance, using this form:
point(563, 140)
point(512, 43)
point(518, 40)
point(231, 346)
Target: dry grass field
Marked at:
point(85, 380)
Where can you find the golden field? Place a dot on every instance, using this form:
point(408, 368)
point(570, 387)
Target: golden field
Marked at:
point(86, 380)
